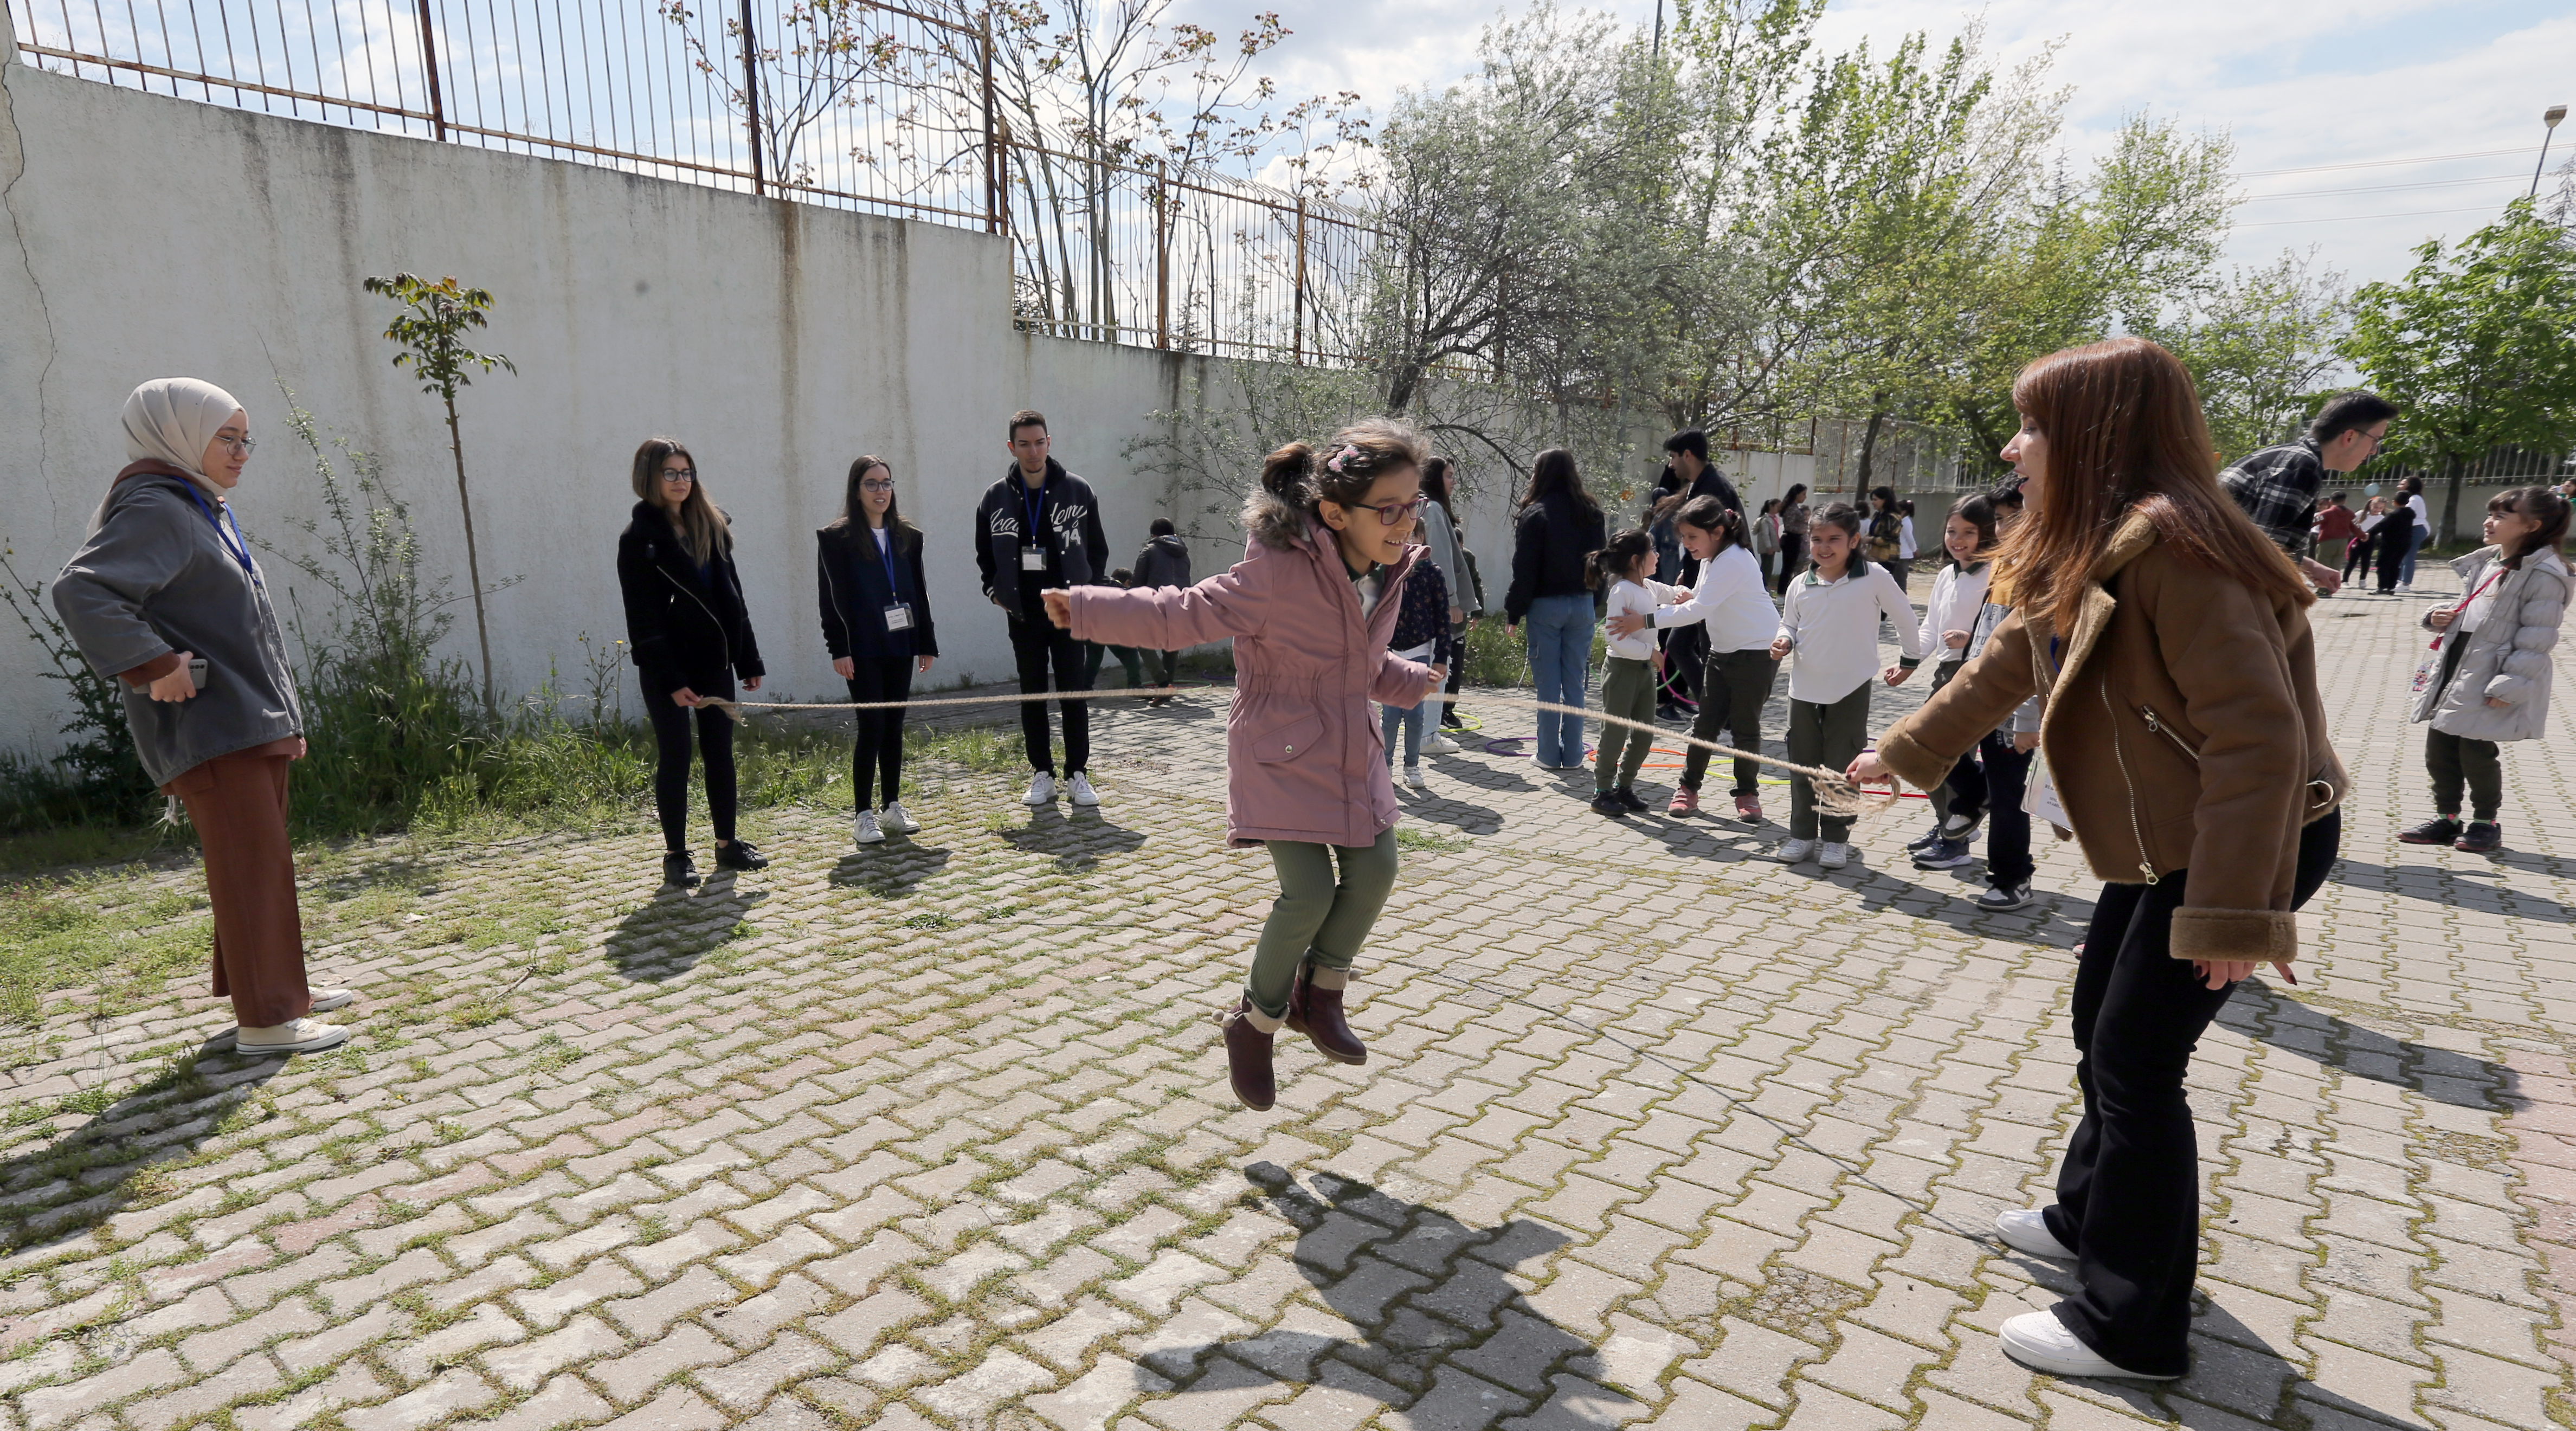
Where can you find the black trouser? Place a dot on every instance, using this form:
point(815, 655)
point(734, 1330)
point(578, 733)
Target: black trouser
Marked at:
point(1734, 687)
point(2394, 548)
point(1992, 778)
point(2132, 1172)
point(1793, 550)
point(1684, 656)
point(671, 768)
point(2455, 761)
point(1457, 672)
point(1035, 644)
point(2358, 555)
point(877, 756)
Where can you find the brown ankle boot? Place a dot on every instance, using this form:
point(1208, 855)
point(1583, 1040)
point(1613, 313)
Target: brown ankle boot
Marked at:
point(1315, 1010)
point(1247, 1057)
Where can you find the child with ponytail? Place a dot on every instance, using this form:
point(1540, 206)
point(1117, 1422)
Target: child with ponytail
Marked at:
point(1310, 607)
point(1634, 664)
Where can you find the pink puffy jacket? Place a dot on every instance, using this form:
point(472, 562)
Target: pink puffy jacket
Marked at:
point(1304, 757)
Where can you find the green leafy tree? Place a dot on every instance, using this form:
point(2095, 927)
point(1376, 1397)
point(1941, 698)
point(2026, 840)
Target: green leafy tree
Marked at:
point(431, 330)
point(2260, 345)
point(2476, 346)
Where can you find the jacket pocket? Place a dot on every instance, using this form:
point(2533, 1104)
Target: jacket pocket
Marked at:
point(1287, 742)
point(2165, 728)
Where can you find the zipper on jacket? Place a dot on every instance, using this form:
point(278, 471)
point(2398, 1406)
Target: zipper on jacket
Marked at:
point(2144, 867)
point(721, 639)
point(849, 637)
point(2157, 724)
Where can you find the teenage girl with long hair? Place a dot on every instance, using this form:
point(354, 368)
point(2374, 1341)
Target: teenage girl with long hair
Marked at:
point(1446, 537)
point(876, 624)
point(691, 638)
point(1310, 608)
point(2187, 745)
point(1559, 525)
point(1793, 537)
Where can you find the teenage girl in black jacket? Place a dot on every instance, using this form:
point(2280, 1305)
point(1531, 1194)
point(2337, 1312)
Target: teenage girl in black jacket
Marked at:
point(691, 637)
point(876, 623)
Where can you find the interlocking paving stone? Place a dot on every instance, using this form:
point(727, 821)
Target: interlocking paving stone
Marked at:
point(1654, 1132)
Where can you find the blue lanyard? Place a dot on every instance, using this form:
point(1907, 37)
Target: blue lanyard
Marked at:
point(238, 546)
point(885, 553)
point(1035, 506)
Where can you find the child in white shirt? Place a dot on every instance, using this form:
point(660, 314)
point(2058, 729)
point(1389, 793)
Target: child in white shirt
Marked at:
point(1830, 621)
point(1736, 669)
point(1628, 684)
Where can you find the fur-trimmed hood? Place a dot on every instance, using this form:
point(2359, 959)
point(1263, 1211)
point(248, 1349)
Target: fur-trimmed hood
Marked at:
point(1273, 521)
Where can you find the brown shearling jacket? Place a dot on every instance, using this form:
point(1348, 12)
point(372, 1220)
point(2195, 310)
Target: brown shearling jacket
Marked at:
point(2183, 731)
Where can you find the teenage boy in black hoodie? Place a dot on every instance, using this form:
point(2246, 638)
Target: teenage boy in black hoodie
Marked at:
point(1038, 529)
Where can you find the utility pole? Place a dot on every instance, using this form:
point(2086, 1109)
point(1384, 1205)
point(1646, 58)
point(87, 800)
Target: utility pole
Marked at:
point(2548, 117)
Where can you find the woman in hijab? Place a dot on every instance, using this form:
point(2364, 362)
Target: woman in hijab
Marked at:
point(166, 597)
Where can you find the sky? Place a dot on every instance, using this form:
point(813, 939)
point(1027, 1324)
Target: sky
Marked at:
point(2298, 85)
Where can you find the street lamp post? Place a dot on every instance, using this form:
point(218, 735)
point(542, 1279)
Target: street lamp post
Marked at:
point(2550, 118)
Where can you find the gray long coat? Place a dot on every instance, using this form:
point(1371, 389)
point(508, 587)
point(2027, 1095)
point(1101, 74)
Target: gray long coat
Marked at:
point(2507, 657)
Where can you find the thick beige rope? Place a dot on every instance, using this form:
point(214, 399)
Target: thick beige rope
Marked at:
point(1834, 795)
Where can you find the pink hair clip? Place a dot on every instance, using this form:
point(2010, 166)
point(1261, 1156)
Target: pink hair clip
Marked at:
point(1340, 457)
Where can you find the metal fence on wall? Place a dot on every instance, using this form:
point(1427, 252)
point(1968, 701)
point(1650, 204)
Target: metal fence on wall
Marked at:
point(868, 106)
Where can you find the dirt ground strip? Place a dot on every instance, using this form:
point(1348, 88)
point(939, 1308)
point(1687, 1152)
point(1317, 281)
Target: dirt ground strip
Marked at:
point(1653, 1131)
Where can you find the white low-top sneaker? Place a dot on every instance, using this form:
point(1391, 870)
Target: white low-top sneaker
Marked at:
point(325, 1000)
point(866, 830)
point(1083, 794)
point(2040, 1341)
point(1041, 790)
point(292, 1036)
point(1440, 745)
point(2025, 1229)
point(893, 818)
point(1413, 777)
point(1833, 854)
point(1795, 851)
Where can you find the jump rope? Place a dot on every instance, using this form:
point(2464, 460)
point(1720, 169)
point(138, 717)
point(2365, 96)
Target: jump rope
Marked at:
point(1833, 794)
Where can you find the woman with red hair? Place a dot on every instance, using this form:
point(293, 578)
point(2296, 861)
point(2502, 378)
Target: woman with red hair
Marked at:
point(2187, 745)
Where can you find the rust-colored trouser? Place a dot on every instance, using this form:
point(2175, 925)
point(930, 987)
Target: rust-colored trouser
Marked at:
point(238, 804)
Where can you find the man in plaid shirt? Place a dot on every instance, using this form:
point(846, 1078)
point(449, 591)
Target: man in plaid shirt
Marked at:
point(2278, 486)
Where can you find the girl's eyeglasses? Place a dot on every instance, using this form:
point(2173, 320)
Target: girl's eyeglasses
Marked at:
point(1392, 513)
point(676, 477)
point(875, 485)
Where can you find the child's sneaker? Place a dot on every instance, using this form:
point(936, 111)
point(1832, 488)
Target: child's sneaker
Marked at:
point(1926, 840)
point(2484, 837)
point(1685, 801)
point(2440, 830)
point(1439, 744)
point(1748, 808)
point(1629, 797)
point(1834, 854)
point(1413, 777)
point(1942, 855)
point(1795, 851)
point(1608, 803)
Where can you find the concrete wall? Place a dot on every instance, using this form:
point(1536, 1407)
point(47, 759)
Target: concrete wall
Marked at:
point(148, 237)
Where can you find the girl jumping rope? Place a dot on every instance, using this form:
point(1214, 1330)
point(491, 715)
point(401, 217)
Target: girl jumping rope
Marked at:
point(1310, 608)
point(1831, 622)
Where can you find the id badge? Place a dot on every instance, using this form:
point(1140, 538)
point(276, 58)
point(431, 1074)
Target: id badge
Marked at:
point(1032, 558)
point(2039, 798)
point(899, 617)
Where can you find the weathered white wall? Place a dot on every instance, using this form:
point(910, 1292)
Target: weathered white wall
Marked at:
point(148, 237)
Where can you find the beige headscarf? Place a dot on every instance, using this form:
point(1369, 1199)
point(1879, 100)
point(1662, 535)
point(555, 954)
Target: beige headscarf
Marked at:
point(171, 420)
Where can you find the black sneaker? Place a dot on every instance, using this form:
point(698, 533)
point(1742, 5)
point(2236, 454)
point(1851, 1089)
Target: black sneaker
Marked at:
point(679, 869)
point(1627, 795)
point(1607, 803)
point(1959, 829)
point(1942, 855)
point(2484, 837)
point(2003, 900)
point(1926, 840)
point(741, 855)
point(1668, 711)
point(2440, 830)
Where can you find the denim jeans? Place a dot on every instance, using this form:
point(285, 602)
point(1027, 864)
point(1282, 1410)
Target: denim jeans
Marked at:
point(1560, 656)
point(1410, 718)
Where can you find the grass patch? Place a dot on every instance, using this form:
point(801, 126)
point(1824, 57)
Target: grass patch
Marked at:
point(1410, 837)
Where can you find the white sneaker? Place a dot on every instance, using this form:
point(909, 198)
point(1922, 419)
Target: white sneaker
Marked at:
point(1041, 790)
point(1083, 794)
point(893, 818)
point(292, 1036)
point(2024, 1229)
point(1440, 745)
point(2039, 1340)
point(1834, 855)
point(1794, 851)
point(866, 830)
point(1413, 777)
point(325, 1000)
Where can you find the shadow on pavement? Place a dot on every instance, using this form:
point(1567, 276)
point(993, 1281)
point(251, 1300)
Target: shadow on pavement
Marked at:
point(1421, 1305)
point(86, 1176)
point(2462, 1080)
point(890, 869)
point(2475, 884)
point(1077, 840)
point(670, 934)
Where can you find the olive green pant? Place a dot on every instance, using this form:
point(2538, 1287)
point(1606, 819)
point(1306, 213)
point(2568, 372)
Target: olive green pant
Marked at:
point(1627, 689)
point(1826, 735)
point(1317, 914)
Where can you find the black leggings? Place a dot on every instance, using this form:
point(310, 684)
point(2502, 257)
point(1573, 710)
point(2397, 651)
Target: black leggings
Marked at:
point(671, 773)
point(2128, 1197)
point(878, 755)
